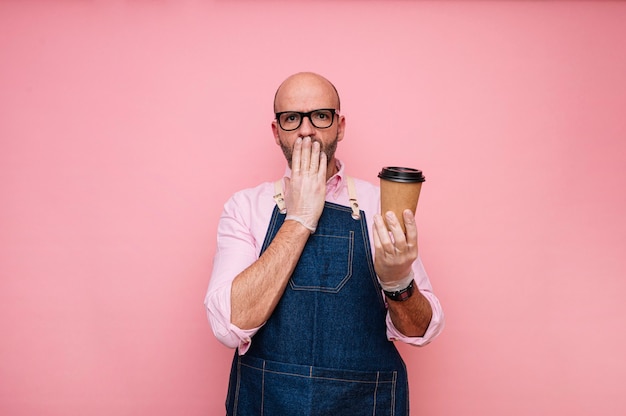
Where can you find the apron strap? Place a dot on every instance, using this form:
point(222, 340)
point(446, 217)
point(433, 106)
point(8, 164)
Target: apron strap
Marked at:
point(356, 213)
point(278, 196)
point(354, 205)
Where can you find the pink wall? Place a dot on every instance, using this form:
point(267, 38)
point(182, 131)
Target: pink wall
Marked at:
point(124, 126)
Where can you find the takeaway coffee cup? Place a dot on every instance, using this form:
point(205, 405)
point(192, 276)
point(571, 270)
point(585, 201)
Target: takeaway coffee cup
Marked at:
point(399, 189)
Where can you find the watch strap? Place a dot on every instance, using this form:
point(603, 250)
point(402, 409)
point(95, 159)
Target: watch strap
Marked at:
point(402, 294)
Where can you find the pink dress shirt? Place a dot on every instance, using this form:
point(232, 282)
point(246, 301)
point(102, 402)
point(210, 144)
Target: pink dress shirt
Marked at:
point(240, 235)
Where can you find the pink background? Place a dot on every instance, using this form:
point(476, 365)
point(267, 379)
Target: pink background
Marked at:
point(125, 125)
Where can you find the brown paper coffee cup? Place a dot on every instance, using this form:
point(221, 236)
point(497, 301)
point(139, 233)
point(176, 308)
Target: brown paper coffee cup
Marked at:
point(399, 189)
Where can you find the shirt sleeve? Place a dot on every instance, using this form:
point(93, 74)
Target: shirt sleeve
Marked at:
point(236, 250)
point(369, 201)
point(436, 322)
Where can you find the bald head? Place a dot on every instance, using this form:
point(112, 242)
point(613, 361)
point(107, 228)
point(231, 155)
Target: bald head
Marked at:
point(305, 89)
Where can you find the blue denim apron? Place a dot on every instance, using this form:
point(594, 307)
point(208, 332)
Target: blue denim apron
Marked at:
point(324, 350)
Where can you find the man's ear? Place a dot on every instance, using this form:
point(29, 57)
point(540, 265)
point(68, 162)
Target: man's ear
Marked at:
point(275, 132)
point(341, 127)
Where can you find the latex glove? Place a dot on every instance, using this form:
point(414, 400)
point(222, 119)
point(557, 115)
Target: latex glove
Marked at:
point(306, 190)
point(394, 252)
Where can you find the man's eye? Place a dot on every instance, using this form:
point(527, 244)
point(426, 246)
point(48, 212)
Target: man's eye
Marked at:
point(290, 118)
point(322, 115)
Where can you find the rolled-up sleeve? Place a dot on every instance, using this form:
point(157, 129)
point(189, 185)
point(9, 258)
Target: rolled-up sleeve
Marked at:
point(236, 250)
point(437, 320)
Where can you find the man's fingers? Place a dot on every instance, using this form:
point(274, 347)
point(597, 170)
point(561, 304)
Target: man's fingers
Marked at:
point(411, 229)
point(394, 226)
point(323, 164)
point(382, 238)
point(305, 155)
point(315, 156)
point(296, 155)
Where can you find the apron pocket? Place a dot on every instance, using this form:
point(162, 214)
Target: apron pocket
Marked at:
point(326, 265)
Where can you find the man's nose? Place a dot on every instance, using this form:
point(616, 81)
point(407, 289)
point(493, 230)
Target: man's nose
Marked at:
point(306, 128)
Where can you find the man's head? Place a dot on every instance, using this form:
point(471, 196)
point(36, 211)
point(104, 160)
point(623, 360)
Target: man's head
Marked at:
point(307, 92)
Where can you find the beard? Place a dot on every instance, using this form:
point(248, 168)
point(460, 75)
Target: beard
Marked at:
point(329, 150)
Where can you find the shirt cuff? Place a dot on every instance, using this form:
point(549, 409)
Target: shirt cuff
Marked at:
point(244, 336)
point(434, 328)
point(218, 312)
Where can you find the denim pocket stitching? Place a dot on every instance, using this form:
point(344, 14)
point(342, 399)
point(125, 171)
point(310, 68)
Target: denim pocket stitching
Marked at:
point(344, 280)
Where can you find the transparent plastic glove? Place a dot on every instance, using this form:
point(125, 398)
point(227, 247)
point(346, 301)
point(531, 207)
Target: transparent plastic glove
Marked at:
point(394, 251)
point(394, 285)
point(306, 190)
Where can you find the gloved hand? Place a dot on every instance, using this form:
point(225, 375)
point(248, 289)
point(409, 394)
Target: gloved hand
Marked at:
point(306, 190)
point(394, 251)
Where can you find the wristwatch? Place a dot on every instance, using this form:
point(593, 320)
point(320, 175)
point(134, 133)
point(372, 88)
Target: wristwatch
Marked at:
point(402, 294)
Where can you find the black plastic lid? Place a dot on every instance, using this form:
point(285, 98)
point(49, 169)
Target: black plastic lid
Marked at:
point(400, 174)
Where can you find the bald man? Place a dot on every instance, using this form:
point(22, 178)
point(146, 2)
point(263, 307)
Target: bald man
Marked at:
point(310, 294)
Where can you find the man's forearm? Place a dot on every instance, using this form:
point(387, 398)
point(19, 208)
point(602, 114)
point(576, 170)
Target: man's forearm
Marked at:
point(411, 317)
point(256, 291)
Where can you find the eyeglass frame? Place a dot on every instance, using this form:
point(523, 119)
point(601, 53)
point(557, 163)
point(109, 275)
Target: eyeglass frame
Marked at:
point(307, 115)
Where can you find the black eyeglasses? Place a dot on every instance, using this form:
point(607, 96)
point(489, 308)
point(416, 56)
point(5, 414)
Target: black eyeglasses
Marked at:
point(321, 119)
